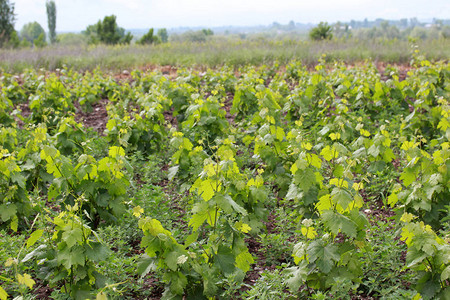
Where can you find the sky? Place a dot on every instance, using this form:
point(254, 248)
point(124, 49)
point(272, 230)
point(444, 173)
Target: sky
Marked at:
point(76, 15)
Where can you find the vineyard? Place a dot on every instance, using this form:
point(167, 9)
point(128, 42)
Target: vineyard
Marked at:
point(290, 182)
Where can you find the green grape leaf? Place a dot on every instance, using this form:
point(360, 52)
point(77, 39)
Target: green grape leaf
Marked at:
point(323, 255)
point(315, 161)
point(244, 260)
point(3, 294)
point(177, 282)
point(69, 257)
point(335, 222)
point(36, 235)
point(280, 133)
point(172, 260)
point(73, 236)
point(7, 211)
point(373, 150)
point(388, 155)
point(19, 179)
point(146, 265)
point(296, 276)
point(305, 179)
point(210, 283)
point(445, 274)
point(191, 239)
point(329, 153)
point(207, 189)
point(97, 251)
point(341, 197)
point(338, 171)
point(225, 260)
point(226, 203)
point(408, 176)
point(26, 280)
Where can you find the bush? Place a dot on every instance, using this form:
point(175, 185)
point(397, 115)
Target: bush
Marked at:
point(163, 35)
point(193, 36)
point(32, 31)
point(148, 38)
point(40, 41)
point(323, 31)
point(107, 32)
point(7, 19)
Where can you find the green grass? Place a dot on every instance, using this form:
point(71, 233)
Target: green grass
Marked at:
point(217, 52)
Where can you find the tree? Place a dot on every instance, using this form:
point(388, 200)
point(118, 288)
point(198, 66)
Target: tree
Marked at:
point(107, 32)
point(323, 31)
point(14, 41)
point(7, 19)
point(207, 32)
point(31, 31)
point(148, 38)
point(51, 18)
point(162, 34)
point(40, 41)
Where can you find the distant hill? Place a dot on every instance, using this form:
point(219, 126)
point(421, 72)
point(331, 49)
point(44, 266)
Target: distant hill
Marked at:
point(298, 27)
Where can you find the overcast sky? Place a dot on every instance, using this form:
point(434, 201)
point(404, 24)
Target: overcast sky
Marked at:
point(76, 15)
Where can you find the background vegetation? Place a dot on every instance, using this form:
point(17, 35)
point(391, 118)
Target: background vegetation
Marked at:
point(215, 52)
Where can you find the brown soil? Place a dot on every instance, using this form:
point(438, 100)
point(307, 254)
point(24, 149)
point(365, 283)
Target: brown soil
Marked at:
point(96, 119)
point(43, 292)
point(25, 112)
point(403, 70)
point(228, 103)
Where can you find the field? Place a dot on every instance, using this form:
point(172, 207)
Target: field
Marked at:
point(218, 52)
point(288, 180)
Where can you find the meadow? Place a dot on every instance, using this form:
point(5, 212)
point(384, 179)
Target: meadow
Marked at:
point(219, 51)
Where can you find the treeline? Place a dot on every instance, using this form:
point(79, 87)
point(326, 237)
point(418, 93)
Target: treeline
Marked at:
point(393, 30)
point(105, 31)
point(31, 34)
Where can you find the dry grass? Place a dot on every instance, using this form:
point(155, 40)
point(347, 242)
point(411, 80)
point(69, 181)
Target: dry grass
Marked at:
point(215, 53)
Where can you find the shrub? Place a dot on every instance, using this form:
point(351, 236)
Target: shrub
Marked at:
point(323, 31)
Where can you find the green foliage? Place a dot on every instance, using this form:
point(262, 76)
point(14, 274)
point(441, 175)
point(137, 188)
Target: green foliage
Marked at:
point(198, 36)
point(149, 38)
point(40, 41)
point(14, 201)
point(71, 256)
point(101, 185)
point(107, 32)
point(143, 132)
point(14, 40)
point(323, 31)
point(430, 255)
point(163, 35)
point(51, 19)
point(7, 18)
point(50, 101)
point(227, 202)
point(33, 31)
point(272, 170)
point(71, 39)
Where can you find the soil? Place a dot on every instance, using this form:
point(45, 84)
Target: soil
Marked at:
point(96, 119)
point(43, 291)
